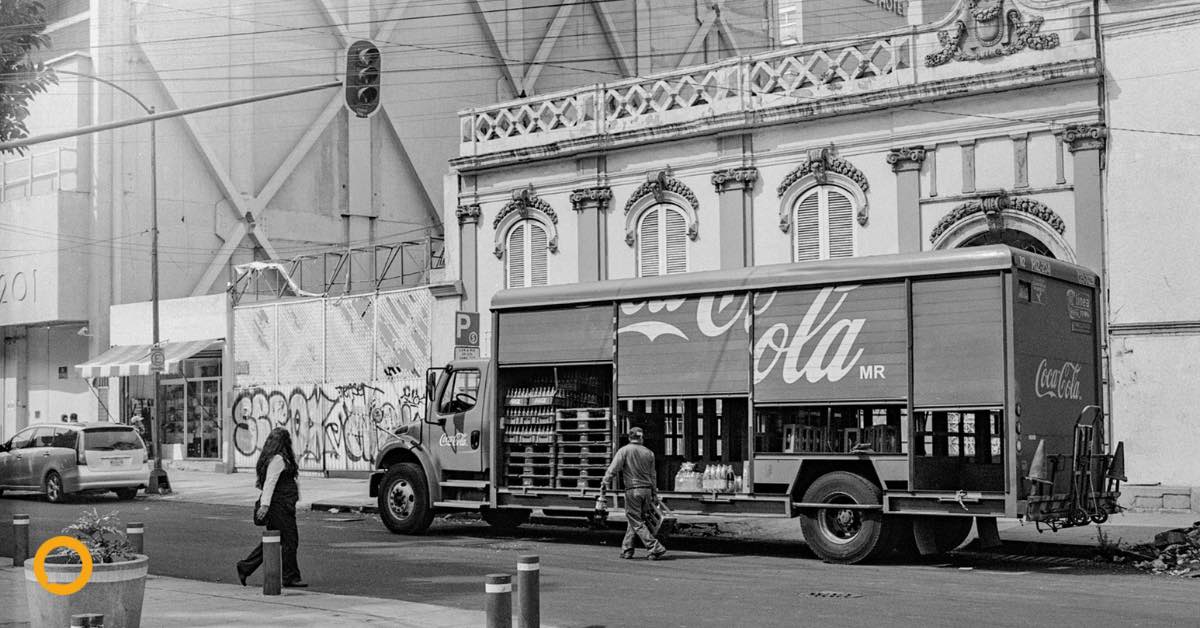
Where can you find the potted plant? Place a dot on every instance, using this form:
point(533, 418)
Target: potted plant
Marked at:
point(116, 585)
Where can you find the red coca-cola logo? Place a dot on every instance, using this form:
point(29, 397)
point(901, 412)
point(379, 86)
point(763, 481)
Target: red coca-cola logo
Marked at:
point(1058, 383)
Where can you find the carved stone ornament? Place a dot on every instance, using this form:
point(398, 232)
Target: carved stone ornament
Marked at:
point(994, 206)
point(742, 178)
point(909, 158)
point(820, 163)
point(1085, 137)
point(984, 30)
point(599, 196)
point(658, 185)
point(524, 201)
point(468, 213)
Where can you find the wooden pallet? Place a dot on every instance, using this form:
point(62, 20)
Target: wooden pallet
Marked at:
point(584, 438)
point(562, 482)
point(585, 449)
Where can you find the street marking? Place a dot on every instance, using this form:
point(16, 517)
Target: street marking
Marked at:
point(85, 571)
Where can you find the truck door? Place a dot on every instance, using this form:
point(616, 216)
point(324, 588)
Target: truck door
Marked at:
point(457, 430)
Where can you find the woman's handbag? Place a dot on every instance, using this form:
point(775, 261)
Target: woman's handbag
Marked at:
point(258, 521)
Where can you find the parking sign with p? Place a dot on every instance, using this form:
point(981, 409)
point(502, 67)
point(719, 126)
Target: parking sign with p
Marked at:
point(466, 334)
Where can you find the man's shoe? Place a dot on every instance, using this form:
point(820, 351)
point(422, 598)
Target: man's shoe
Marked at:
point(243, 573)
point(627, 554)
point(657, 555)
point(295, 584)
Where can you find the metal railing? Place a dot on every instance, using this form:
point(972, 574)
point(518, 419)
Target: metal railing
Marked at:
point(37, 173)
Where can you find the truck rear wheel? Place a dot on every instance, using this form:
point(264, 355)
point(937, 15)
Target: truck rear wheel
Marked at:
point(505, 518)
point(404, 499)
point(845, 535)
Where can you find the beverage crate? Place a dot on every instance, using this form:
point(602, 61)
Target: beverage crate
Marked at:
point(532, 457)
point(577, 419)
point(581, 438)
point(540, 437)
point(533, 449)
point(546, 420)
point(537, 481)
point(532, 469)
point(581, 472)
point(579, 482)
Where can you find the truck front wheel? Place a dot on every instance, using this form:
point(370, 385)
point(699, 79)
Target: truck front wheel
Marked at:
point(845, 535)
point(404, 499)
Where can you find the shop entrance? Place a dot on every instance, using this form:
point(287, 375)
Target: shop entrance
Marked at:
point(705, 432)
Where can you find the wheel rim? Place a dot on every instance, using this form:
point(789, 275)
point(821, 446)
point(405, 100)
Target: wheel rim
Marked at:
point(402, 500)
point(840, 525)
point(53, 488)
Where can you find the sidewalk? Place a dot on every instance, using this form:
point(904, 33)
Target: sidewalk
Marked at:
point(176, 602)
point(1129, 528)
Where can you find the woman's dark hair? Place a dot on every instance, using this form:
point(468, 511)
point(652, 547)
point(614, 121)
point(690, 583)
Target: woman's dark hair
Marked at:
point(279, 442)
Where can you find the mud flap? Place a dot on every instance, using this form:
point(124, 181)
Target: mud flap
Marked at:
point(925, 534)
point(989, 533)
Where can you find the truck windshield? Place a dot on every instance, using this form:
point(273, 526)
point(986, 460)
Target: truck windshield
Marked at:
point(111, 439)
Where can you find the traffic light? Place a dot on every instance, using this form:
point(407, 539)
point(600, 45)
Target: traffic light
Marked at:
point(362, 78)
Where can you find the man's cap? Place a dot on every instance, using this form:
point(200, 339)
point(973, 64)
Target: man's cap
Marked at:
point(635, 433)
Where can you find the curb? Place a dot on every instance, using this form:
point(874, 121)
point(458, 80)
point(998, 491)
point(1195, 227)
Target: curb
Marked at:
point(365, 509)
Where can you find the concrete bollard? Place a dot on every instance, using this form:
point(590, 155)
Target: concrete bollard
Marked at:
point(88, 620)
point(272, 563)
point(499, 600)
point(135, 531)
point(529, 573)
point(20, 540)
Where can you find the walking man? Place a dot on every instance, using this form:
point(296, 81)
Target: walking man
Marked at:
point(635, 463)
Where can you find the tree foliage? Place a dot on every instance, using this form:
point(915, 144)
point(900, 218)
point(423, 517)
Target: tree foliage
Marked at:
point(22, 31)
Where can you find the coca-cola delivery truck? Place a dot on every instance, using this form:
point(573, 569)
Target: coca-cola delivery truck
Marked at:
point(888, 402)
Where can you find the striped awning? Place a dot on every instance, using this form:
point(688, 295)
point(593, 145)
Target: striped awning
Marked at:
point(124, 360)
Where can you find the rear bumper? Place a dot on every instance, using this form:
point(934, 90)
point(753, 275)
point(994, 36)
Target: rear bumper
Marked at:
point(86, 479)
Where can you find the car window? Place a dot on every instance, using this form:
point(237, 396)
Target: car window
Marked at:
point(43, 437)
point(23, 439)
point(111, 439)
point(64, 437)
point(461, 393)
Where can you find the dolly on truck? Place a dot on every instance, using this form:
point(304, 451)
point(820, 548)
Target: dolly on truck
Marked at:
point(889, 402)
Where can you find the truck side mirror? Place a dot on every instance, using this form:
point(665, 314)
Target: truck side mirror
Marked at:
point(430, 383)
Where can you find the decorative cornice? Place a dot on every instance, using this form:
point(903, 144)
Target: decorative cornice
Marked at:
point(657, 186)
point(599, 196)
point(904, 159)
point(523, 201)
point(741, 178)
point(1085, 137)
point(468, 214)
point(819, 164)
point(993, 206)
point(995, 33)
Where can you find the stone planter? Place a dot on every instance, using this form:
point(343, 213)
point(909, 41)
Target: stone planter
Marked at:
point(114, 590)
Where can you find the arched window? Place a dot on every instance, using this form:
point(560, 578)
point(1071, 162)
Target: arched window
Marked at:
point(526, 254)
point(662, 241)
point(824, 224)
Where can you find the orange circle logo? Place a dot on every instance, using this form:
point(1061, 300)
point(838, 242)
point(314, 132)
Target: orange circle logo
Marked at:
point(65, 588)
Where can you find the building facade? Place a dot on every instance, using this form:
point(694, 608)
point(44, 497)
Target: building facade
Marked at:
point(1032, 123)
point(299, 179)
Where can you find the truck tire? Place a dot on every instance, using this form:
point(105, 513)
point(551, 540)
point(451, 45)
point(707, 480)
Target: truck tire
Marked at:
point(505, 518)
point(846, 536)
point(404, 499)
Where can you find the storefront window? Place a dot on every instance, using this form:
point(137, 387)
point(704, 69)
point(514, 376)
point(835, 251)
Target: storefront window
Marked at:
point(191, 401)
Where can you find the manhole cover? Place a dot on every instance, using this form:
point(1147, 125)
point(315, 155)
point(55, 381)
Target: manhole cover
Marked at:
point(833, 594)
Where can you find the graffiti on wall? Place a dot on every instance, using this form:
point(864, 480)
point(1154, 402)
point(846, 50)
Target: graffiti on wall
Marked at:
point(333, 427)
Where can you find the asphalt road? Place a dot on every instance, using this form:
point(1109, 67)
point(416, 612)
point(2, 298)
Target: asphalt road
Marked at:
point(707, 582)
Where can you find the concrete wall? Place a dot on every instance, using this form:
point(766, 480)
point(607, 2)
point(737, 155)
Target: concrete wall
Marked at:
point(180, 320)
point(1151, 234)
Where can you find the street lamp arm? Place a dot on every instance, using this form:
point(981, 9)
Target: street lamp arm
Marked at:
point(111, 84)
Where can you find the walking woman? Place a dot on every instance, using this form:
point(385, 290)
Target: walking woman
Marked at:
point(277, 471)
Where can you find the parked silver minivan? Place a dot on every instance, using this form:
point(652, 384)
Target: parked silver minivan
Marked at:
point(59, 459)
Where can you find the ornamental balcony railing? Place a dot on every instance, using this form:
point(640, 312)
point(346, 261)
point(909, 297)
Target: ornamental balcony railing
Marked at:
point(744, 88)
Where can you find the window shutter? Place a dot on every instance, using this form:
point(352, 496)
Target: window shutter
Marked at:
point(516, 256)
point(648, 243)
point(808, 227)
point(538, 254)
point(674, 241)
point(841, 224)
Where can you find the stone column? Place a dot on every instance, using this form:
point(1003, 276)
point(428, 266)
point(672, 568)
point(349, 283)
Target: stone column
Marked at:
point(591, 205)
point(735, 187)
point(468, 254)
point(1086, 143)
point(906, 163)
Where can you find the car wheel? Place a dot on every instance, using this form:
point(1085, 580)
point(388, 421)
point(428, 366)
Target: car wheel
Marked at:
point(126, 493)
point(846, 535)
point(54, 488)
point(404, 499)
